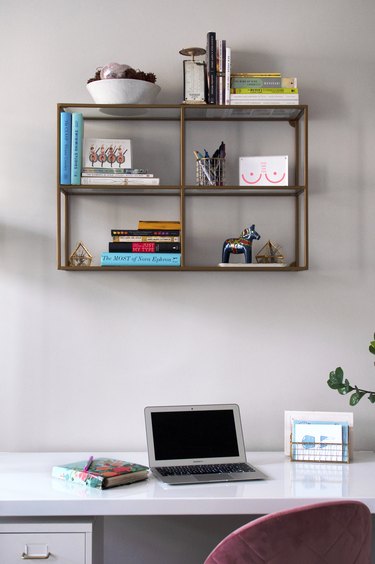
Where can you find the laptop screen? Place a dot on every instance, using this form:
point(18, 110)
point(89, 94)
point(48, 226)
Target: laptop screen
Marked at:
point(194, 434)
point(190, 434)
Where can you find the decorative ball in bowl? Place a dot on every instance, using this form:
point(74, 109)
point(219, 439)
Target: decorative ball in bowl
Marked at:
point(123, 91)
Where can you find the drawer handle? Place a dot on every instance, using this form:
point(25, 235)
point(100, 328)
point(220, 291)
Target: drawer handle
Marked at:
point(27, 557)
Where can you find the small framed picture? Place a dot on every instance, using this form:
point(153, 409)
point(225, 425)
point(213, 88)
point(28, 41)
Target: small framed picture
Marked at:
point(106, 153)
point(264, 171)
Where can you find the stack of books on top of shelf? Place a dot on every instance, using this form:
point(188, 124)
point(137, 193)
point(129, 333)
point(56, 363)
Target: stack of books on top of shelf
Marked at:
point(154, 243)
point(263, 88)
point(119, 177)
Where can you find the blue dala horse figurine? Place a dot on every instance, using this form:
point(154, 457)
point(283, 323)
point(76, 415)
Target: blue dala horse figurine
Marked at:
point(242, 245)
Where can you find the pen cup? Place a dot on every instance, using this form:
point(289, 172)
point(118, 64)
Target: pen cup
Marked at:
point(210, 172)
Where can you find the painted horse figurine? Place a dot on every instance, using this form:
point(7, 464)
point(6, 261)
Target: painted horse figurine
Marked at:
point(242, 245)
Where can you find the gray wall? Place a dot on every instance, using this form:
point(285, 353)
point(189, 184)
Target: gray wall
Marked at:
point(82, 354)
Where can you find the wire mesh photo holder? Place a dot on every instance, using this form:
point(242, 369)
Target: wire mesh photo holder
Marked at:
point(334, 453)
point(210, 172)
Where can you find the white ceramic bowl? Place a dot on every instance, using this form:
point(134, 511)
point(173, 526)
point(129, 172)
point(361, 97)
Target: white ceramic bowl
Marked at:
point(123, 91)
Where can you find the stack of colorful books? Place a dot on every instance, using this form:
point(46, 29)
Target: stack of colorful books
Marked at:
point(154, 243)
point(263, 88)
point(118, 177)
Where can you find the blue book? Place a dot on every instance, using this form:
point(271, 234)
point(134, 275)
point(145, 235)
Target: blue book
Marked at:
point(65, 146)
point(140, 259)
point(77, 137)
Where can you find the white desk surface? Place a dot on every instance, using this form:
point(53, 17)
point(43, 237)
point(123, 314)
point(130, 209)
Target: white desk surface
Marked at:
point(27, 489)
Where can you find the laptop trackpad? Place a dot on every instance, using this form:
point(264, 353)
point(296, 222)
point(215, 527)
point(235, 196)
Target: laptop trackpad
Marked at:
point(220, 477)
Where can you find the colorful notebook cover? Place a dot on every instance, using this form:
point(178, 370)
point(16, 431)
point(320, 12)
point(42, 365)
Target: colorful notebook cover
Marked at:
point(103, 472)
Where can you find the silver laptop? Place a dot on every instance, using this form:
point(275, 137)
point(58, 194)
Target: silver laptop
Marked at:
point(193, 444)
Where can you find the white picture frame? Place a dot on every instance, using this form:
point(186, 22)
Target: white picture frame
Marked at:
point(263, 171)
point(102, 154)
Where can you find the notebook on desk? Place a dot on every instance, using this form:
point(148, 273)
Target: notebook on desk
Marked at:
point(193, 444)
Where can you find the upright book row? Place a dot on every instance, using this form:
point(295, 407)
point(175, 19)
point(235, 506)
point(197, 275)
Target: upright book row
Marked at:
point(218, 63)
point(225, 87)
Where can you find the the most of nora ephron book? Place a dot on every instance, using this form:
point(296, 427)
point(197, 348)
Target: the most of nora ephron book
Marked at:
point(103, 473)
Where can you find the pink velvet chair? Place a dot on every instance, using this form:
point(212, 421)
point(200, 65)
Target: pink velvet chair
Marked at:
point(336, 532)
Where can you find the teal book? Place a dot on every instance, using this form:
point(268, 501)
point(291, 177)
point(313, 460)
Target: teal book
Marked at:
point(140, 259)
point(77, 139)
point(103, 473)
point(65, 147)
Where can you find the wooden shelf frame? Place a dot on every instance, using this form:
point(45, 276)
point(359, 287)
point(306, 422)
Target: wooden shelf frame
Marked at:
point(295, 116)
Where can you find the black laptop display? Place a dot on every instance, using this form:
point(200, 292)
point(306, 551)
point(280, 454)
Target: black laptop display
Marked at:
point(197, 443)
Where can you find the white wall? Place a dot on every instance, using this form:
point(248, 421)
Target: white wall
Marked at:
point(82, 354)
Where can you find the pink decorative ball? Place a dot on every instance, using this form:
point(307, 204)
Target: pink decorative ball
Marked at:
point(113, 70)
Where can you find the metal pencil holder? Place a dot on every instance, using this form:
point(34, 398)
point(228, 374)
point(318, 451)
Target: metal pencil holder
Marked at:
point(210, 172)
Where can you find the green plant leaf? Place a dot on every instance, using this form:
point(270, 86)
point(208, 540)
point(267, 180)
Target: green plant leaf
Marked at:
point(372, 397)
point(372, 347)
point(356, 397)
point(345, 388)
point(335, 379)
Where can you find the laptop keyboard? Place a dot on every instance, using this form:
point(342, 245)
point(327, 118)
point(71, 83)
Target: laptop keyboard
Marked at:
point(204, 469)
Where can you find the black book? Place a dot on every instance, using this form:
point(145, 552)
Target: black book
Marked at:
point(144, 247)
point(211, 67)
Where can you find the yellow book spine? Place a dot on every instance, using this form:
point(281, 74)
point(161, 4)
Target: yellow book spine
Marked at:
point(256, 74)
point(264, 90)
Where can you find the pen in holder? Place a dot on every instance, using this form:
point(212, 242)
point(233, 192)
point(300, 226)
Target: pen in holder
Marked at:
point(210, 171)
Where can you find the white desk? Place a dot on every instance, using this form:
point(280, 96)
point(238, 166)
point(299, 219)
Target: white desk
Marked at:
point(147, 510)
point(27, 489)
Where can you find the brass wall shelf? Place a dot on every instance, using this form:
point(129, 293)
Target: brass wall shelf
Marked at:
point(186, 116)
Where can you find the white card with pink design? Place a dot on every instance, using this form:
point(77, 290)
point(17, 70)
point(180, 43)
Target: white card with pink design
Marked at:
point(264, 171)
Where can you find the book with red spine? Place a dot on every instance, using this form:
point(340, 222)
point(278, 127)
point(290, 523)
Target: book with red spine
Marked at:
point(144, 247)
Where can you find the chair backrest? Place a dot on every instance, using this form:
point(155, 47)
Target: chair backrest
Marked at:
point(336, 532)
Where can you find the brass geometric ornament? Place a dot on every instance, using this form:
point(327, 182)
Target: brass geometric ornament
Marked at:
point(80, 256)
point(270, 253)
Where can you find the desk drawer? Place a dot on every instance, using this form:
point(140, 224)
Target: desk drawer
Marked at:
point(61, 548)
